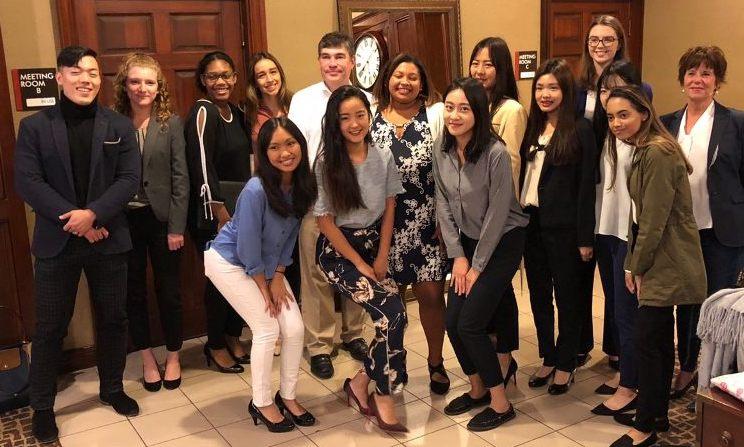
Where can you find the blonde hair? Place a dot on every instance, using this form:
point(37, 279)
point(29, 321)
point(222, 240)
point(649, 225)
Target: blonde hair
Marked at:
point(161, 107)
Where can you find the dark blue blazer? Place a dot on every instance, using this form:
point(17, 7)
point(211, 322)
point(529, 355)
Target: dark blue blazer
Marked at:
point(581, 93)
point(43, 177)
point(725, 171)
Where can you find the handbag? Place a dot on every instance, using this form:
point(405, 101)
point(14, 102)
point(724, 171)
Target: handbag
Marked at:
point(14, 374)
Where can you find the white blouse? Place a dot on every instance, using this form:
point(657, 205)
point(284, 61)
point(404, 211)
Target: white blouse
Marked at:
point(695, 146)
point(613, 203)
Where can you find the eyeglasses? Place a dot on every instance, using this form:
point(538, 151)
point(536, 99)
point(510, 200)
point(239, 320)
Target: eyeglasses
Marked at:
point(606, 41)
point(213, 77)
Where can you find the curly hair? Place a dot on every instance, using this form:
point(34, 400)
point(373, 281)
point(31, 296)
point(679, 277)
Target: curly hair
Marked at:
point(162, 106)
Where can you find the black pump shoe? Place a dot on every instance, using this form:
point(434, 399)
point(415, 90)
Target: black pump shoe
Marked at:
point(511, 372)
point(556, 389)
point(435, 386)
point(465, 403)
point(234, 369)
point(306, 419)
point(537, 381)
point(677, 393)
point(282, 426)
point(603, 410)
point(245, 359)
point(151, 386)
point(627, 441)
point(489, 419)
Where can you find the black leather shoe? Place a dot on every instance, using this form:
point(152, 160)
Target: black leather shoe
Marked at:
point(357, 348)
point(234, 369)
point(306, 419)
point(321, 366)
point(464, 403)
point(44, 427)
point(282, 426)
point(627, 441)
point(537, 381)
point(437, 387)
point(605, 390)
point(152, 387)
point(602, 410)
point(628, 419)
point(556, 389)
point(245, 359)
point(489, 419)
point(677, 393)
point(122, 404)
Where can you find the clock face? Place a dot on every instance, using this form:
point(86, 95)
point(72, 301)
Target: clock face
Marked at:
point(368, 58)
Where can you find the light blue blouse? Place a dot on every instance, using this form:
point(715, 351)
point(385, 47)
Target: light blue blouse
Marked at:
point(257, 238)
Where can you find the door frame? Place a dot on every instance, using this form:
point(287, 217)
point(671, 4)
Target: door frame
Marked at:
point(253, 25)
point(634, 30)
point(22, 302)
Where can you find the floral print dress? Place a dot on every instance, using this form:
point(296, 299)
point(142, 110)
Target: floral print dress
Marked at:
point(415, 254)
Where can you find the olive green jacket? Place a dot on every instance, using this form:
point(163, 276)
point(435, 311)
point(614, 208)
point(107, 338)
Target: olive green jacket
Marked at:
point(665, 249)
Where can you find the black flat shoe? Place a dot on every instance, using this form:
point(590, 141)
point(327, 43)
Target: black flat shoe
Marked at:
point(152, 387)
point(435, 386)
point(489, 419)
point(602, 410)
point(556, 389)
point(234, 369)
point(628, 419)
point(321, 366)
point(605, 390)
point(244, 359)
point(537, 381)
point(511, 373)
point(306, 419)
point(357, 348)
point(465, 403)
point(44, 427)
point(282, 426)
point(121, 403)
point(627, 441)
point(678, 393)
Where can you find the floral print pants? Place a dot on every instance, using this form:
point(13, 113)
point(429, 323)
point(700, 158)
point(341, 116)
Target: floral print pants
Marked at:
point(386, 359)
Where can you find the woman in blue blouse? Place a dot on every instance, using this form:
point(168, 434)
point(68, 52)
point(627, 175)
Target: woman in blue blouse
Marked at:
point(249, 271)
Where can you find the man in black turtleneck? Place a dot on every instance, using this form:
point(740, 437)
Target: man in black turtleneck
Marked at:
point(78, 165)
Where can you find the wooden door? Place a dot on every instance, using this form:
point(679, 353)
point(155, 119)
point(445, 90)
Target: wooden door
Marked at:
point(177, 33)
point(565, 23)
point(16, 275)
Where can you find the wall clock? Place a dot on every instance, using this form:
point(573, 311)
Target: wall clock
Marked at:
point(370, 53)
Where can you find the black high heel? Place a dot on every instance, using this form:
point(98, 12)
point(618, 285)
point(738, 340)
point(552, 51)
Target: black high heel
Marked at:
point(677, 393)
point(556, 389)
point(170, 384)
point(234, 369)
point(306, 419)
point(151, 386)
point(282, 426)
point(245, 359)
point(511, 372)
point(435, 386)
point(537, 381)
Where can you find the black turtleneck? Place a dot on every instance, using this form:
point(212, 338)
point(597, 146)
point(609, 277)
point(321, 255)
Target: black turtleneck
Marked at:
point(79, 120)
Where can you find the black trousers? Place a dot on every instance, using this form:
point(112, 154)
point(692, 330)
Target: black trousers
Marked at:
point(551, 261)
point(221, 317)
point(503, 323)
point(149, 235)
point(654, 345)
point(56, 282)
point(586, 342)
point(468, 317)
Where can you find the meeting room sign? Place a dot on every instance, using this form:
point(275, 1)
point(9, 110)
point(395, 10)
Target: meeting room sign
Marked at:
point(34, 88)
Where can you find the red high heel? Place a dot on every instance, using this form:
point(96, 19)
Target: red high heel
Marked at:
point(351, 396)
point(384, 425)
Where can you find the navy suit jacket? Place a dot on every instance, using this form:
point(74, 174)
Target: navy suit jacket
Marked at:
point(725, 171)
point(43, 177)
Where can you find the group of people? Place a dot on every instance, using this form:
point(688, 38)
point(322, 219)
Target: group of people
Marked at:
point(334, 198)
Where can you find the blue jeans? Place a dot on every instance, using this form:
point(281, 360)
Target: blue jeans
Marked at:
point(621, 306)
point(722, 264)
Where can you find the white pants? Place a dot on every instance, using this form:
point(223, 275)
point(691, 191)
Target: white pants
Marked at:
point(241, 291)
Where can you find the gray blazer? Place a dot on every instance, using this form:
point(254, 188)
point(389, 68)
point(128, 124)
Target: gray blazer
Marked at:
point(165, 176)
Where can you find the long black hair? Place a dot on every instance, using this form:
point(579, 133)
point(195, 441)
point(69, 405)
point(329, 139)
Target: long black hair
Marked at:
point(339, 176)
point(505, 85)
point(563, 147)
point(304, 188)
point(483, 135)
point(628, 73)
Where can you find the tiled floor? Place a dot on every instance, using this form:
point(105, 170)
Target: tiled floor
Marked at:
point(210, 409)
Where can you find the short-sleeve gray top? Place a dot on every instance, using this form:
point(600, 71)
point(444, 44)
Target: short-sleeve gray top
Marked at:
point(378, 179)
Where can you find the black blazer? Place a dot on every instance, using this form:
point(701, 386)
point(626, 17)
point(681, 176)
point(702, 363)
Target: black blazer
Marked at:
point(725, 171)
point(566, 192)
point(581, 93)
point(43, 177)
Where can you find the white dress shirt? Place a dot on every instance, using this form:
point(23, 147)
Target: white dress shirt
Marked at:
point(695, 147)
point(613, 203)
point(530, 196)
point(307, 109)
